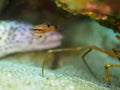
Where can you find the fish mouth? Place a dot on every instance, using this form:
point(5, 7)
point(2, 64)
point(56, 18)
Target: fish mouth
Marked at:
point(53, 36)
point(53, 39)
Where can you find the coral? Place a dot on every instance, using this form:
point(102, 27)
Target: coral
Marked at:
point(98, 10)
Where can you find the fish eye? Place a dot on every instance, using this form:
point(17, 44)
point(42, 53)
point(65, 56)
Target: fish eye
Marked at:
point(48, 25)
point(41, 37)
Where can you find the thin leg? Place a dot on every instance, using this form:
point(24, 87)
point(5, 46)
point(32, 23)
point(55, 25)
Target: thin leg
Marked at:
point(75, 49)
point(107, 74)
point(83, 57)
point(81, 48)
point(44, 61)
point(58, 50)
point(116, 51)
point(107, 66)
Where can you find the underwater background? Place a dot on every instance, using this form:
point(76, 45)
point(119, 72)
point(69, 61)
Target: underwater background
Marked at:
point(81, 23)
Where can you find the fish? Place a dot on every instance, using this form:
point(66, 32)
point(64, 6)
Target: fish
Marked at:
point(22, 37)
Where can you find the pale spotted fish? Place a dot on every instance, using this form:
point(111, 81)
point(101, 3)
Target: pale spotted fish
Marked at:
point(21, 37)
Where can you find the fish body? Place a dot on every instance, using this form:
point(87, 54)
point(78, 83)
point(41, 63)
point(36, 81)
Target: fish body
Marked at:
point(20, 37)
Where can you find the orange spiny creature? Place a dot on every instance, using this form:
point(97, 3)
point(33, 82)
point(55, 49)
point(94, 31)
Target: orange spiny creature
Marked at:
point(43, 28)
